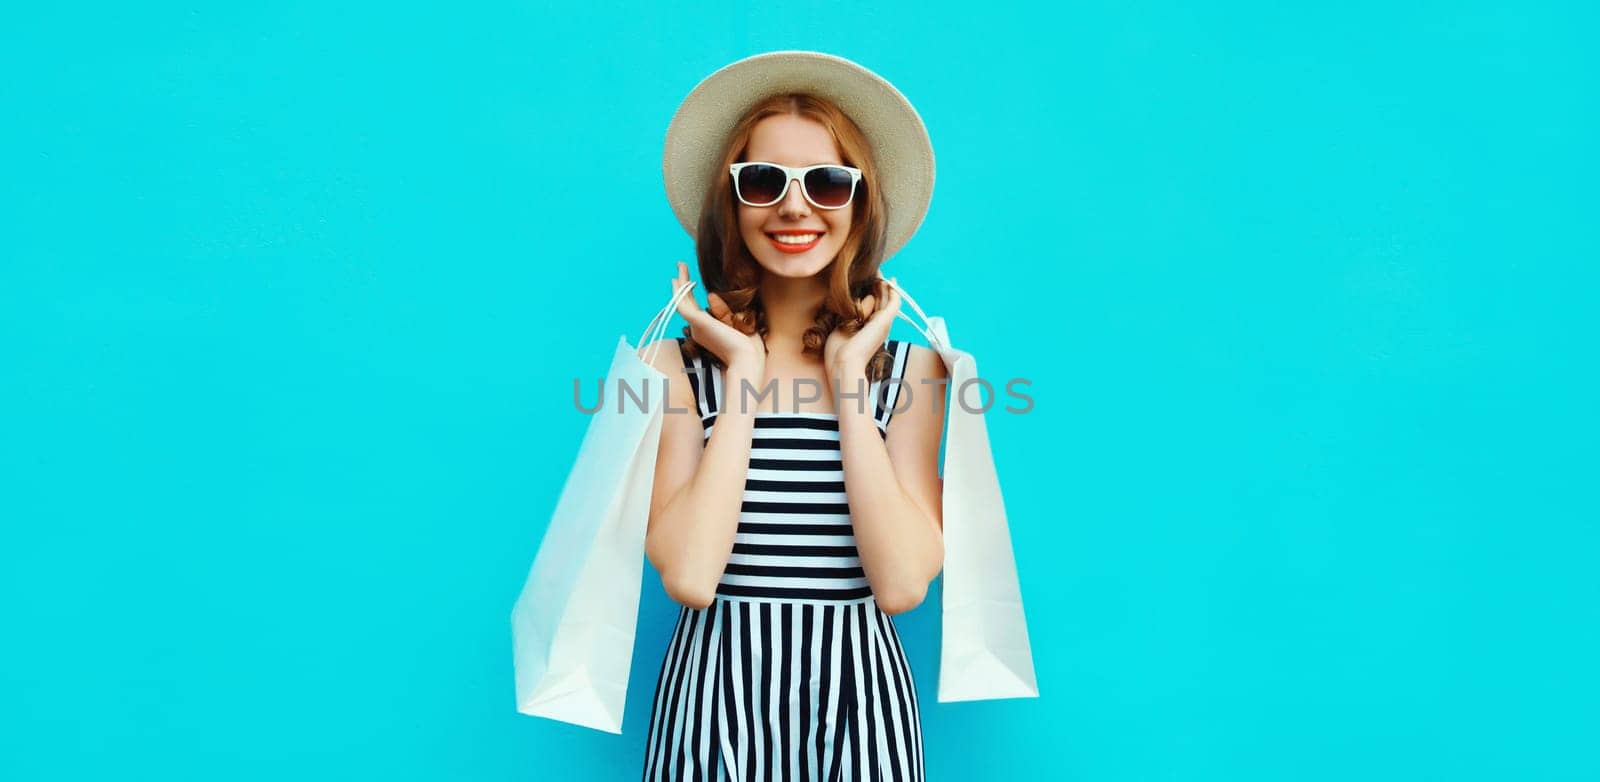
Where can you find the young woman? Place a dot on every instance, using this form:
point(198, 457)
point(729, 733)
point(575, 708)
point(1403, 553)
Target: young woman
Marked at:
point(793, 519)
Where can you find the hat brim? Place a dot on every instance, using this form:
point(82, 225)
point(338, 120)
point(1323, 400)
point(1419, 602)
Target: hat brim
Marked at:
point(900, 144)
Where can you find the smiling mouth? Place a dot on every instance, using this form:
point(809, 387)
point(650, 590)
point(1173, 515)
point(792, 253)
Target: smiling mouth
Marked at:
point(794, 244)
point(798, 240)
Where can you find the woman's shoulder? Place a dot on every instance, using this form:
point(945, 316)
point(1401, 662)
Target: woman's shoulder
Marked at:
point(918, 397)
point(668, 355)
point(922, 362)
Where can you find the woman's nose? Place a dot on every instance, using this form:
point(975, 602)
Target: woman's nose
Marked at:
point(794, 201)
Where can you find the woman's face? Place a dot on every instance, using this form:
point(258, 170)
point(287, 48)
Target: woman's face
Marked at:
point(789, 140)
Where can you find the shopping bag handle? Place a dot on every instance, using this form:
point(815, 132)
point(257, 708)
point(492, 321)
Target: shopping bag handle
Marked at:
point(658, 324)
point(927, 333)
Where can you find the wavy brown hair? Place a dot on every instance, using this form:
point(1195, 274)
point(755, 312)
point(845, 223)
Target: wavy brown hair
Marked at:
point(728, 269)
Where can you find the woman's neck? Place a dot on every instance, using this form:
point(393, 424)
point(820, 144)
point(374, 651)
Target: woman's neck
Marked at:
point(791, 306)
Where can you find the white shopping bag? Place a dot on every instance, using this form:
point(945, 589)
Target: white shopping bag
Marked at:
point(984, 653)
point(573, 624)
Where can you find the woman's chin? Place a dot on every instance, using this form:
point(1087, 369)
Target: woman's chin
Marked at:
point(808, 264)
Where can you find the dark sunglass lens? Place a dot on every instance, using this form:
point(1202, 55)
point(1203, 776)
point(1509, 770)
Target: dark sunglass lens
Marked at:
point(829, 186)
point(760, 184)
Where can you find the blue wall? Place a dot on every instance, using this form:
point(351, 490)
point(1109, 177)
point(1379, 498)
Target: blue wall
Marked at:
point(292, 295)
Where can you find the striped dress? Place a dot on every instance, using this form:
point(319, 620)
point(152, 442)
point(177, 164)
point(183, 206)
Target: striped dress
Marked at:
point(793, 672)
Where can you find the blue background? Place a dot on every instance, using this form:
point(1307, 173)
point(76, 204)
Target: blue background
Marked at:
point(292, 296)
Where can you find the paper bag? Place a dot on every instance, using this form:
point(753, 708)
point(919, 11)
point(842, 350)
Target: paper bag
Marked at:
point(573, 623)
point(984, 652)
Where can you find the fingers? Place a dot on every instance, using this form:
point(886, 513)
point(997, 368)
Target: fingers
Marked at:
point(887, 291)
point(708, 325)
point(690, 309)
point(701, 321)
point(892, 298)
point(881, 308)
point(891, 295)
point(682, 278)
point(688, 306)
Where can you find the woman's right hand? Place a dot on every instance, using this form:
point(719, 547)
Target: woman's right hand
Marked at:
point(714, 330)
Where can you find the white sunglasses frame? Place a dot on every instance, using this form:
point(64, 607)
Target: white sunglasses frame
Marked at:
point(793, 174)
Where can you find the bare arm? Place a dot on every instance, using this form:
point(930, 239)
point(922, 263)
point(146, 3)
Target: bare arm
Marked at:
point(698, 487)
point(893, 485)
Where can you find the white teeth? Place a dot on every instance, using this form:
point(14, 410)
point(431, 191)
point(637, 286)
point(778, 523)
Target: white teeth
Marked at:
point(795, 238)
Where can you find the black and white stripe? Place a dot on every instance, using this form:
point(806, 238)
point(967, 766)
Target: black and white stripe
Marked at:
point(778, 690)
point(793, 672)
point(706, 381)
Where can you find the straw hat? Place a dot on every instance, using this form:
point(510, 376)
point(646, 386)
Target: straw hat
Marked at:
point(900, 144)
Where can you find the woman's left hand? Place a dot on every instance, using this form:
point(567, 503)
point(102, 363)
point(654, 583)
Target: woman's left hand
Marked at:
point(851, 352)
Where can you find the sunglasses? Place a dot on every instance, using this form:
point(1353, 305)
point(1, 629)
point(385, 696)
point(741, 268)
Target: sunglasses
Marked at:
point(826, 186)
